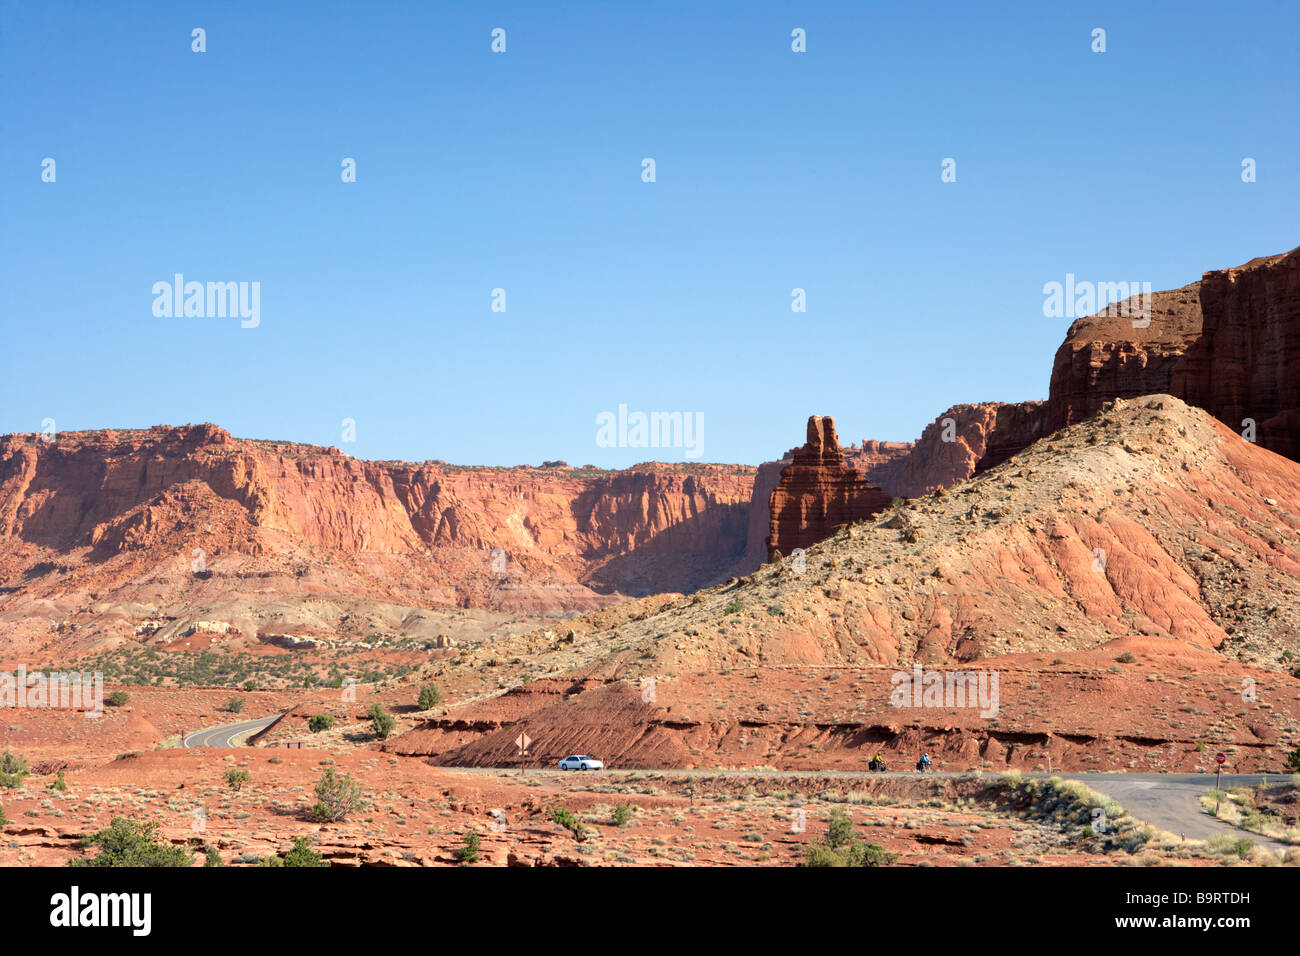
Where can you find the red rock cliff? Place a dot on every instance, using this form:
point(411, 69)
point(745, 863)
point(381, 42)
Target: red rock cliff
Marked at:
point(1229, 344)
point(1246, 362)
point(818, 492)
point(156, 493)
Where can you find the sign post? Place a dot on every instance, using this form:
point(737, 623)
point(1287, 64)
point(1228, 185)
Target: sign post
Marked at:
point(523, 742)
point(1219, 760)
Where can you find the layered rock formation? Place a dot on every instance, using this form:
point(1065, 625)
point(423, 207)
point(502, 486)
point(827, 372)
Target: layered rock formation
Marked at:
point(1122, 582)
point(766, 480)
point(1229, 344)
point(871, 455)
point(193, 509)
point(1015, 427)
point(1246, 363)
point(818, 492)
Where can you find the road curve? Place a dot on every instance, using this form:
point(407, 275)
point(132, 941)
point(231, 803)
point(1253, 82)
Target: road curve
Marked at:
point(1171, 801)
point(229, 735)
point(1166, 801)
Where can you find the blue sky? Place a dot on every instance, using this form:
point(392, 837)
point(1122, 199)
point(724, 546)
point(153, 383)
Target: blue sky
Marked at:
point(522, 171)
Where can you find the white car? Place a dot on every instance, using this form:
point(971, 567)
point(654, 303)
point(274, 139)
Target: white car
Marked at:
point(581, 762)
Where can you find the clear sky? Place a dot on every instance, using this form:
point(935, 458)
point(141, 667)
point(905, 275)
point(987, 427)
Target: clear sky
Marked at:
point(522, 171)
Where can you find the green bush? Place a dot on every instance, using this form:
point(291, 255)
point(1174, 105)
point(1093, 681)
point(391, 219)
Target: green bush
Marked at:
point(235, 779)
point(1293, 760)
point(567, 819)
point(320, 722)
point(383, 722)
point(13, 769)
point(843, 848)
point(119, 698)
point(235, 705)
point(213, 858)
point(430, 696)
point(732, 608)
point(336, 797)
point(622, 815)
point(4, 820)
point(127, 843)
point(469, 852)
point(303, 855)
point(59, 783)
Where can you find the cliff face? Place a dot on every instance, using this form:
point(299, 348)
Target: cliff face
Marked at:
point(94, 495)
point(945, 454)
point(1015, 427)
point(1105, 356)
point(1246, 362)
point(759, 524)
point(818, 492)
point(871, 455)
point(1229, 344)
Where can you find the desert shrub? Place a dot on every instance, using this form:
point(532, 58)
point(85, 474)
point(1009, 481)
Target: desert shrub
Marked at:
point(839, 832)
point(382, 721)
point(567, 819)
point(732, 608)
point(213, 858)
point(119, 698)
point(622, 815)
point(336, 797)
point(469, 852)
point(320, 722)
point(13, 769)
point(1126, 658)
point(59, 783)
point(430, 696)
point(1293, 759)
point(235, 779)
point(303, 855)
point(235, 705)
point(4, 820)
point(843, 848)
point(127, 843)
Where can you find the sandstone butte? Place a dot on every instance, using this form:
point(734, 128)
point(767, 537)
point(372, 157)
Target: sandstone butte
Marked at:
point(1229, 343)
point(818, 492)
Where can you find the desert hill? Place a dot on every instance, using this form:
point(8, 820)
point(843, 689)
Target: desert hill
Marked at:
point(1150, 544)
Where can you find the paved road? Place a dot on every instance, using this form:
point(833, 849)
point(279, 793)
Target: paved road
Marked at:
point(1166, 801)
point(1171, 801)
point(229, 735)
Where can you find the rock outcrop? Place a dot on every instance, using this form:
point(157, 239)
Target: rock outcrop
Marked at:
point(818, 492)
point(1229, 344)
point(108, 506)
point(1246, 363)
point(1016, 426)
point(766, 480)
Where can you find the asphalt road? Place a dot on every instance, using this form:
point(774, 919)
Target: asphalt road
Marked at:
point(229, 735)
point(1166, 801)
point(1171, 801)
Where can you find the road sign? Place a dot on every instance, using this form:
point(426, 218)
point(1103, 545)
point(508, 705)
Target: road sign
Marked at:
point(523, 741)
point(1220, 759)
